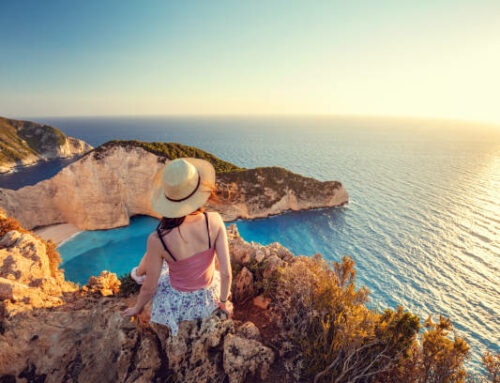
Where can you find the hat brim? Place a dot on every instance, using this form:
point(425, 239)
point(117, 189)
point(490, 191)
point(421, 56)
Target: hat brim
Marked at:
point(166, 208)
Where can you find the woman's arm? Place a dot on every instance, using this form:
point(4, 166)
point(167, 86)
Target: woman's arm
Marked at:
point(222, 251)
point(153, 262)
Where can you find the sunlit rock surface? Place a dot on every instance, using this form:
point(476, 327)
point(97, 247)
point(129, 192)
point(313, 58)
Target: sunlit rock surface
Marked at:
point(25, 143)
point(107, 186)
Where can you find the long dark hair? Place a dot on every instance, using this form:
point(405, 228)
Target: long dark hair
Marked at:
point(166, 224)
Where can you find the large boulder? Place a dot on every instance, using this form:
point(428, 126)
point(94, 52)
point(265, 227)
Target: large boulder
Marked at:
point(246, 357)
point(242, 289)
point(28, 277)
point(105, 284)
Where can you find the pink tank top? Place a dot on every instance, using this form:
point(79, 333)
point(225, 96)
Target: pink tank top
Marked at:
point(193, 273)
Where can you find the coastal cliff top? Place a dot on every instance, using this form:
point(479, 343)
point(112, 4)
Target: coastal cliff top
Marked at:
point(21, 139)
point(173, 150)
point(168, 150)
point(121, 172)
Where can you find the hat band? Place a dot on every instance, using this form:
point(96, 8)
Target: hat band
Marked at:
point(188, 196)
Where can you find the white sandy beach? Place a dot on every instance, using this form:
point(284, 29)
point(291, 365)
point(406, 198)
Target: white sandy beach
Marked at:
point(58, 233)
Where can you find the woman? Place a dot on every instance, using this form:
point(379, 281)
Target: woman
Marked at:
point(178, 269)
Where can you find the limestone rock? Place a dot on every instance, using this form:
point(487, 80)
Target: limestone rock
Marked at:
point(243, 285)
point(26, 278)
point(248, 330)
point(107, 186)
point(85, 342)
point(232, 232)
point(105, 284)
point(280, 251)
point(261, 302)
point(260, 255)
point(246, 357)
point(195, 353)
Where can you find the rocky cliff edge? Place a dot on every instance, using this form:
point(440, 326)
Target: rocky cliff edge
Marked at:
point(54, 331)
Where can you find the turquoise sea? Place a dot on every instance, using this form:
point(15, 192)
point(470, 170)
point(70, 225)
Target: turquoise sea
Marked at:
point(423, 222)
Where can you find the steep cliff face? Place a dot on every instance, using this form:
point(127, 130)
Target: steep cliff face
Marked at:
point(107, 186)
point(25, 143)
point(261, 192)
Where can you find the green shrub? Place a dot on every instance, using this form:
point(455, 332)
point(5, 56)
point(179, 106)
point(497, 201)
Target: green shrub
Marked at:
point(436, 358)
point(327, 321)
point(262, 285)
point(128, 286)
point(170, 150)
point(331, 336)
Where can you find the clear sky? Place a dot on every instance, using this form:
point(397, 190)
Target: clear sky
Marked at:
point(427, 58)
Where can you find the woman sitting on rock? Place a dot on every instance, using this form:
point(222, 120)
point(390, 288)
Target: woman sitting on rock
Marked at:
point(178, 270)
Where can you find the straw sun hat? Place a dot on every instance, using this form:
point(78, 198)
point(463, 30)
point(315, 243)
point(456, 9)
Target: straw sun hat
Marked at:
point(182, 186)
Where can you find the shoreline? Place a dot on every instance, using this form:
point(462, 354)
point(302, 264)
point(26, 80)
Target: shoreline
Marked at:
point(61, 233)
point(58, 233)
point(20, 167)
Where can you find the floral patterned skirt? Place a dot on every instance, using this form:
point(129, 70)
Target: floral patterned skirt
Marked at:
point(171, 306)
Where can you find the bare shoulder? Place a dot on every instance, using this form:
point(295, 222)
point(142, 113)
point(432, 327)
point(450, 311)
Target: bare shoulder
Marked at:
point(153, 239)
point(215, 219)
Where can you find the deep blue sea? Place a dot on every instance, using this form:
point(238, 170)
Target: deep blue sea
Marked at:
point(423, 222)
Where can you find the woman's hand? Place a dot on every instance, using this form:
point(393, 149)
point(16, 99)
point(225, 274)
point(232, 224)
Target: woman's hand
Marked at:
point(227, 307)
point(131, 311)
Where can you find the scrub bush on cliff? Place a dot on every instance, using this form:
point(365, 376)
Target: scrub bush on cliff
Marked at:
point(491, 363)
point(325, 318)
point(435, 358)
point(330, 335)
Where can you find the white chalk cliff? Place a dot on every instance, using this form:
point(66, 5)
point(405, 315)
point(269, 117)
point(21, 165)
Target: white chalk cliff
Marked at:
point(107, 186)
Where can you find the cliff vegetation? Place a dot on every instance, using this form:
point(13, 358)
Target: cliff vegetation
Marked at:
point(19, 139)
point(25, 142)
point(168, 150)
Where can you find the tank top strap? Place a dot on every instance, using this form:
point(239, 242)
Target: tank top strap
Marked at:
point(163, 242)
point(208, 230)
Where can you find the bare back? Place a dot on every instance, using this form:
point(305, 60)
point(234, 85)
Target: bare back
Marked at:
point(191, 238)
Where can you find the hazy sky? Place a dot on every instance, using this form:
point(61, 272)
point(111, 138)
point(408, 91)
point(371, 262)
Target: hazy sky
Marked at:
point(432, 58)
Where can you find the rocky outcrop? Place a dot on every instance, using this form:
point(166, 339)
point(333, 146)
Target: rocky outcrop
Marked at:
point(80, 335)
point(309, 324)
point(25, 143)
point(105, 284)
point(107, 186)
point(27, 278)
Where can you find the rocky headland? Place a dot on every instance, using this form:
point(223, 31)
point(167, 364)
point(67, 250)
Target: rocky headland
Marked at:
point(25, 143)
point(111, 183)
